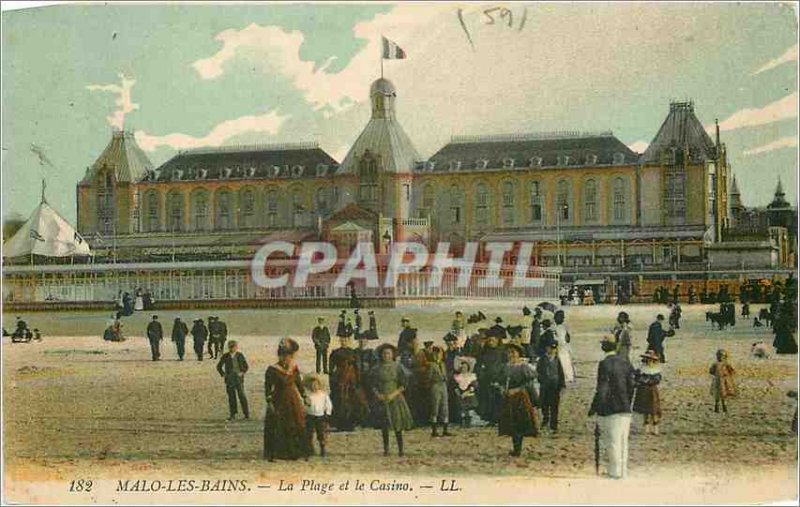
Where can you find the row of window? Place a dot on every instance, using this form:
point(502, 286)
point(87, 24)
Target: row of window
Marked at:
point(511, 163)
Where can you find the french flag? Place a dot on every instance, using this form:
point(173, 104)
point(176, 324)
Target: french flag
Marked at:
point(392, 51)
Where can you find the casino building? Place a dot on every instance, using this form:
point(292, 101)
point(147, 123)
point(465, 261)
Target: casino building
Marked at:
point(588, 201)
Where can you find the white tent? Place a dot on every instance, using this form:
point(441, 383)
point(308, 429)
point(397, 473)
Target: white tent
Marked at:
point(46, 233)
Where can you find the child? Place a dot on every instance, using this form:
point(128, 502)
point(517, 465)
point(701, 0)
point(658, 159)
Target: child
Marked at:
point(550, 373)
point(466, 388)
point(723, 383)
point(388, 381)
point(437, 380)
point(318, 411)
point(647, 400)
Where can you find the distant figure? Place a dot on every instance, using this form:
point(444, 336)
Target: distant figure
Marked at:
point(232, 366)
point(321, 338)
point(656, 336)
point(139, 301)
point(551, 378)
point(155, 334)
point(759, 350)
point(647, 400)
point(179, 332)
point(723, 381)
point(199, 335)
point(746, 310)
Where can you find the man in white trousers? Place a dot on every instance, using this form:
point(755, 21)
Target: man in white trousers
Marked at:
point(612, 405)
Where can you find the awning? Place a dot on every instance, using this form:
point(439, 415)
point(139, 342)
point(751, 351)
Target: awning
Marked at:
point(590, 282)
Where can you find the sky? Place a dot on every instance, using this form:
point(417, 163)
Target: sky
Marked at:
point(183, 76)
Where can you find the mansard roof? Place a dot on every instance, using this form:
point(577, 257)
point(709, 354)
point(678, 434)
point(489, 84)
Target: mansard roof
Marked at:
point(681, 129)
point(281, 161)
point(124, 157)
point(529, 151)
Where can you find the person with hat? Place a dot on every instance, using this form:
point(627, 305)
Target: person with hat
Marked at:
point(517, 415)
point(536, 333)
point(418, 363)
point(179, 332)
point(349, 405)
point(452, 351)
point(489, 369)
point(466, 389)
point(547, 338)
point(459, 328)
point(646, 399)
point(723, 381)
point(321, 337)
point(656, 335)
point(564, 348)
point(232, 366)
point(214, 337)
point(612, 406)
point(318, 412)
point(372, 332)
point(367, 360)
point(341, 327)
point(285, 418)
point(155, 333)
point(407, 335)
point(388, 384)
point(222, 334)
point(437, 385)
point(199, 335)
point(358, 328)
point(211, 337)
point(550, 374)
point(498, 331)
point(623, 334)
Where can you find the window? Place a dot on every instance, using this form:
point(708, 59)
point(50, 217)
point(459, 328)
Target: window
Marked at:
point(200, 210)
point(368, 176)
point(481, 163)
point(618, 192)
point(248, 209)
point(152, 212)
point(297, 208)
point(508, 203)
point(427, 197)
point(619, 158)
point(454, 165)
point(508, 163)
point(481, 204)
point(591, 159)
point(675, 195)
point(175, 205)
point(456, 203)
point(407, 191)
point(563, 160)
point(105, 203)
point(562, 200)
point(535, 162)
point(224, 220)
point(590, 201)
point(536, 201)
point(272, 208)
point(321, 200)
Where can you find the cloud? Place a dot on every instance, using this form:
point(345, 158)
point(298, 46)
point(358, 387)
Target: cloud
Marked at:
point(124, 102)
point(784, 142)
point(639, 146)
point(791, 55)
point(783, 109)
point(268, 123)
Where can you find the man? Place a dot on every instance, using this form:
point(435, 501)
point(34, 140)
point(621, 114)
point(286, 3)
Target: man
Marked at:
point(322, 340)
point(550, 374)
point(199, 334)
point(536, 333)
point(155, 334)
point(407, 335)
point(612, 405)
point(232, 366)
point(179, 332)
point(372, 332)
point(489, 369)
point(548, 338)
point(498, 331)
point(656, 336)
point(222, 333)
point(341, 327)
point(212, 337)
point(459, 328)
point(623, 334)
point(358, 328)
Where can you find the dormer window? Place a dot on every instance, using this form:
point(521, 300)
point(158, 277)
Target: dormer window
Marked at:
point(276, 171)
point(481, 163)
point(322, 169)
point(203, 173)
point(226, 173)
point(297, 171)
point(619, 158)
point(252, 172)
point(179, 174)
point(535, 162)
point(430, 165)
point(591, 159)
point(455, 165)
point(508, 163)
point(563, 160)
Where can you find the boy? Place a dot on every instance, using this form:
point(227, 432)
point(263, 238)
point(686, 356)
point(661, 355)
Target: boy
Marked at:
point(318, 410)
point(232, 366)
point(551, 382)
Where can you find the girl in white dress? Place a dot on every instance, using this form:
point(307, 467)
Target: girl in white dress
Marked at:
point(564, 349)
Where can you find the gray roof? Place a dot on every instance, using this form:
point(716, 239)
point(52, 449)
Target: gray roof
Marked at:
point(596, 233)
point(129, 162)
point(384, 137)
point(292, 161)
point(681, 129)
point(521, 151)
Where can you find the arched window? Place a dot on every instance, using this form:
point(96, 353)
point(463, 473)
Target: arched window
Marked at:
point(507, 195)
point(176, 211)
point(321, 201)
point(536, 201)
point(481, 204)
point(152, 224)
point(272, 209)
point(298, 207)
point(247, 208)
point(563, 200)
point(224, 218)
point(619, 200)
point(590, 201)
point(200, 211)
point(368, 180)
point(105, 202)
point(456, 204)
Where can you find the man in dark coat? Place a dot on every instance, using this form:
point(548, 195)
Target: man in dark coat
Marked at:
point(358, 327)
point(407, 335)
point(612, 405)
point(222, 333)
point(154, 335)
point(536, 333)
point(199, 334)
point(179, 332)
point(450, 354)
point(548, 338)
point(498, 331)
point(551, 381)
point(489, 370)
point(322, 340)
point(232, 366)
point(656, 336)
point(214, 345)
point(341, 327)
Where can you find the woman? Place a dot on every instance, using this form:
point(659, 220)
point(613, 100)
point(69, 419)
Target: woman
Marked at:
point(284, 422)
point(622, 333)
point(564, 349)
point(647, 399)
point(518, 418)
point(388, 385)
point(349, 403)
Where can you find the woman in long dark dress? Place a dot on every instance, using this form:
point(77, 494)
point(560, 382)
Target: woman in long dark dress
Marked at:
point(388, 382)
point(518, 418)
point(349, 404)
point(284, 422)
